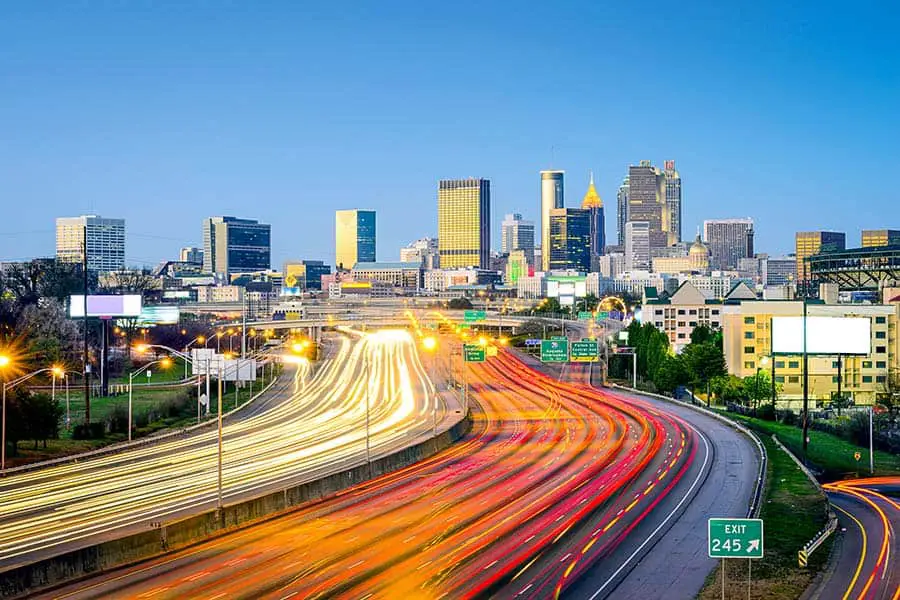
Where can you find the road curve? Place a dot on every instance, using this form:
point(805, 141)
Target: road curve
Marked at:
point(554, 479)
point(869, 516)
point(317, 429)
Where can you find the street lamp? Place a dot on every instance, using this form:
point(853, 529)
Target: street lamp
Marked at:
point(430, 345)
point(762, 363)
point(165, 362)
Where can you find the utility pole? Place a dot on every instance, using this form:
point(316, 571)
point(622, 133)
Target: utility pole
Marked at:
point(87, 366)
point(805, 384)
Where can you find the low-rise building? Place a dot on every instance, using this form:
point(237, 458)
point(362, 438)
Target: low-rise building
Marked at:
point(747, 333)
point(441, 280)
point(220, 294)
point(678, 314)
point(404, 275)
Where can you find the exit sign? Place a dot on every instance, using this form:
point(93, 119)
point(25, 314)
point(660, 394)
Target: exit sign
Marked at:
point(735, 538)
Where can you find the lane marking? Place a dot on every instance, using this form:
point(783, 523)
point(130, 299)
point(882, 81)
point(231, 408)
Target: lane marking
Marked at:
point(862, 555)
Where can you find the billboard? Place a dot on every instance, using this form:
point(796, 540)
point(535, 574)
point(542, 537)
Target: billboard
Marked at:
point(824, 335)
point(159, 315)
point(105, 306)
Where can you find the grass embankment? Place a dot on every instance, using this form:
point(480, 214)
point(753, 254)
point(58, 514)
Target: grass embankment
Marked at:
point(793, 512)
point(829, 454)
point(144, 401)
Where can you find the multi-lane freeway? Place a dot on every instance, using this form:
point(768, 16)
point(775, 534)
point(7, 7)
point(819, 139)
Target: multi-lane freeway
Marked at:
point(310, 429)
point(559, 489)
point(869, 515)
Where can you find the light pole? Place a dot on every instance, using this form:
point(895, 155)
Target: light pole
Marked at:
point(164, 362)
point(430, 345)
point(5, 362)
point(200, 340)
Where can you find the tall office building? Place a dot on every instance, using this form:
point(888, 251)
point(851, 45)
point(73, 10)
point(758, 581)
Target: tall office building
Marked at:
point(815, 242)
point(594, 205)
point(622, 211)
point(570, 239)
point(880, 237)
point(516, 234)
point(464, 223)
point(647, 202)
point(551, 198)
point(729, 240)
point(354, 236)
point(673, 199)
point(637, 246)
point(232, 245)
point(103, 238)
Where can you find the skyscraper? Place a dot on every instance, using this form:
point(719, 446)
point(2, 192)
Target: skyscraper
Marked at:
point(815, 242)
point(423, 251)
point(729, 240)
point(622, 211)
point(637, 246)
point(880, 237)
point(647, 202)
point(464, 223)
point(516, 234)
point(191, 255)
point(570, 239)
point(673, 199)
point(551, 198)
point(354, 237)
point(105, 242)
point(232, 245)
point(594, 205)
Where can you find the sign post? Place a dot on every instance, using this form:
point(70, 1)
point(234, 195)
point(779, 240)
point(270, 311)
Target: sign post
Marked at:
point(735, 538)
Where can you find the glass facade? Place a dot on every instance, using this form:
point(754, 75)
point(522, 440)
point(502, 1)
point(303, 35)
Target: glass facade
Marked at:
point(105, 242)
point(464, 223)
point(354, 237)
point(233, 245)
point(570, 239)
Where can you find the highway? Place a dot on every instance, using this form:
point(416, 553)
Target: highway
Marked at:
point(869, 517)
point(314, 427)
point(554, 481)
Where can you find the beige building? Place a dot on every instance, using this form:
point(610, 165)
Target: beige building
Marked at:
point(747, 332)
point(872, 238)
point(354, 237)
point(104, 240)
point(684, 310)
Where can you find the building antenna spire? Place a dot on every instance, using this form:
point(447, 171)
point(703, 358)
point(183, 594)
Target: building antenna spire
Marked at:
point(592, 177)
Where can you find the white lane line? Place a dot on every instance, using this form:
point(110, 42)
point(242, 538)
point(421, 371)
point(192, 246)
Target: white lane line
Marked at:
point(666, 520)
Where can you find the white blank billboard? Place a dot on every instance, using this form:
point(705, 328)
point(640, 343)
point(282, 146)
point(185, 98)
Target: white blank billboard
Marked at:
point(824, 335)
point(106, 306)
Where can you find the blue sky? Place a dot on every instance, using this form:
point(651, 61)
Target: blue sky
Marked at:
point(285, 111)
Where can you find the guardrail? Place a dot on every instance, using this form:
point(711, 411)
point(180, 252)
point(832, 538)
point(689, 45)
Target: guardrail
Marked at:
point(756, 501)
point(818, 540)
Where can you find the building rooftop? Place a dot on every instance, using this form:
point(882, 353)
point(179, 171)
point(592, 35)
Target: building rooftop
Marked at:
point(381, 266)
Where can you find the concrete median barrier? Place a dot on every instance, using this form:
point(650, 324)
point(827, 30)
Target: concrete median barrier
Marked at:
point(169, 536)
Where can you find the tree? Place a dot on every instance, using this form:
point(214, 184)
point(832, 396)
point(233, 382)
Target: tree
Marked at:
point(671, 374)
point(704, 361)
point(52, 336)
point(460, 303)
point(701, 334)
point(758, 388)
point(890, 397)
point(728, 388)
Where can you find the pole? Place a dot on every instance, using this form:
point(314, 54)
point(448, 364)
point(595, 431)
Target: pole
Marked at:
point(53, 387)
point(749, 575)
point(366, 364)
point(208, 397)
point(87, 367)
point(219, 502)
point(805, 385)
point(756, 387)
point(871, 443)
point(67, 401)
point(198, 393)
point(130, 386)
point(244, 325)
point(634, 369)
point(723, 579)
point(840, 373)
point(3, 442)
point(773, 387)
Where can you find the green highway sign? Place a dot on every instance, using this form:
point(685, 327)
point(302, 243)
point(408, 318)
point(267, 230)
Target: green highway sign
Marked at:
point(559, 337)
point(585, 315)
point(603, 315)
point(585, 351)
point(554, 350)
point(470, 316)
point(735, 538)
point(473, 353)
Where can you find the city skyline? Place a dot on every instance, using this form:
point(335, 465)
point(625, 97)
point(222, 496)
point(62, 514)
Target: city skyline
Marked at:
point(176, 144)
